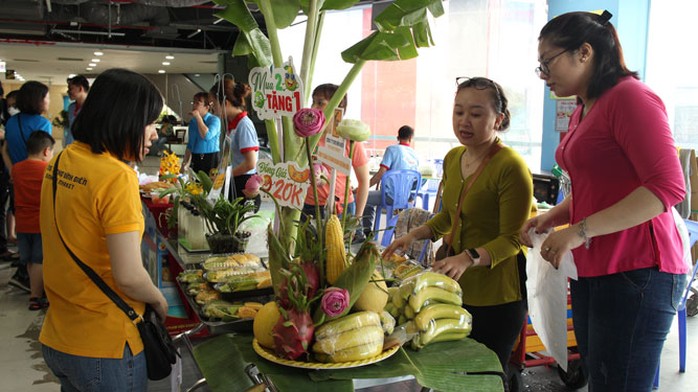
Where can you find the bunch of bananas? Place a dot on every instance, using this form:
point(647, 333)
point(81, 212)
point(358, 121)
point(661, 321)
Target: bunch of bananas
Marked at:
point(354, 337)
point(430, 304)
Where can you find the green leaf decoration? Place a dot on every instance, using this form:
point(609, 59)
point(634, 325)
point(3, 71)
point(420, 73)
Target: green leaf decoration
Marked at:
point(422, 35)
point(393, 46)
point(285, 12)
point(253, 42)
point(407, 13)
point(463, 365)
point(338, 4)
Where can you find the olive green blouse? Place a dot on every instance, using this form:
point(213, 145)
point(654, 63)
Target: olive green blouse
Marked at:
point(494, 210)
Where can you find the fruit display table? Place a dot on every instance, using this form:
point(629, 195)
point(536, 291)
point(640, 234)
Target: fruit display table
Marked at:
point(450, 366)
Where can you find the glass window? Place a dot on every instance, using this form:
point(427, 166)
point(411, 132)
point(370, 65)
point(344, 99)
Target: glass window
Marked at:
point(671, 69)
point(495, 39)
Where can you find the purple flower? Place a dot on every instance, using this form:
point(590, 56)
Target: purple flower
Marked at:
point(334, 301)
point(252, 186)
point(308, 122)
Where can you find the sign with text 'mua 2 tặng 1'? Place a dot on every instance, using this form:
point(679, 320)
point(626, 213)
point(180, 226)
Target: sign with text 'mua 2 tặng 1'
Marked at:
point(287, 182)
point(276, 92)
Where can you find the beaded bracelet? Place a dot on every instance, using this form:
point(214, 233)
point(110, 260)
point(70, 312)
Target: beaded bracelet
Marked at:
point(583, 233)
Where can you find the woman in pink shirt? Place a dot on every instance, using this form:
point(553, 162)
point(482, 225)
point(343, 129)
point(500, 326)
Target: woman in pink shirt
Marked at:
point(626, 177)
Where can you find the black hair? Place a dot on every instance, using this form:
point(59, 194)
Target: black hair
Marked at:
point(405, 132)
point(571, 30)
point(12, 94)
point(38, 141)
point(79, 80)
point(231, 91)
point(500, 103)
point(327, 90)
point(31, 96)
point(2, 90)
point(117, 110)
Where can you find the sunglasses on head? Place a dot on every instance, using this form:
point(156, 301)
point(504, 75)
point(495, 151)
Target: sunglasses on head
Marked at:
point(480, 83)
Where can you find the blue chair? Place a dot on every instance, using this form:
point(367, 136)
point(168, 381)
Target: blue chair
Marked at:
point(430, 186)
point(403, 186)
point(692, 227)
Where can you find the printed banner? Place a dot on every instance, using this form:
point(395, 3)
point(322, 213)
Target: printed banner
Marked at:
point(285, 181)
point(276, 92)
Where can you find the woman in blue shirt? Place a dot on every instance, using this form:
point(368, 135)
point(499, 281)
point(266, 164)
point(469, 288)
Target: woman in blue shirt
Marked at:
point(244, 144)
point(204, 136)
point(32, 102)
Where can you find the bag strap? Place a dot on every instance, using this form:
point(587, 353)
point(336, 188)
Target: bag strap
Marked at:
point(89, 271)
point(493, 150)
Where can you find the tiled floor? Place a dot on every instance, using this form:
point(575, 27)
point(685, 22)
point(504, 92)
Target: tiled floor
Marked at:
point(22, 367)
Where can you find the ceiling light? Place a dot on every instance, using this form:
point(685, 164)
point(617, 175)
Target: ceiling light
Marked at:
point(165, 63)
point(92, 64)
point(88, 69)
point(197, 75)
point(169, 57)
point(95, 60)
point(161, 71)
point(98, 53)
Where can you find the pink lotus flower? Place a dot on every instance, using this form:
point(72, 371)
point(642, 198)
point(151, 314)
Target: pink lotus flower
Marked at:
point(252, 186)
point(321, 173)
point(308, 122)
point(334, 301)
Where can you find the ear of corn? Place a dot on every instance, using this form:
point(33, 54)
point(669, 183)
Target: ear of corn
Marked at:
point(336, 255)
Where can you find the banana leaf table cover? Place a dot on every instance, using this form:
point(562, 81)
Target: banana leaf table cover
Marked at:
point(449, 366)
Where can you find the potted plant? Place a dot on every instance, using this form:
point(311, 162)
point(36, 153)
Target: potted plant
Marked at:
point(223, 219)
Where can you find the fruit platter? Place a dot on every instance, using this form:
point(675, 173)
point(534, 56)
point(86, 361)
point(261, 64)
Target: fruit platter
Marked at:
point(339, 312)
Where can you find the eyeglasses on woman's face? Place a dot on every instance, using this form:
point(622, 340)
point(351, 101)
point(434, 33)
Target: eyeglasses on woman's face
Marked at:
point(479, 83)
point(544, 68)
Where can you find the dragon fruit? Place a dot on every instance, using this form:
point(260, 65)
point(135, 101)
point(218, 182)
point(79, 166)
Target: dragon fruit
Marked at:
point(312, 278)
point(293, 333)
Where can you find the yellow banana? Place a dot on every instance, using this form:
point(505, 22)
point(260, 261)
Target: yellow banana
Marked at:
point(433, 279)
point(364, 351)
point(355, 337)
point(433, 294)
point(347, 323)
point(440, 311)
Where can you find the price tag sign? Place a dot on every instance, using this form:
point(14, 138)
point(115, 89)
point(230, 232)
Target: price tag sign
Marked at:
point(276, 92)
point(334, 159)
point(287, 182)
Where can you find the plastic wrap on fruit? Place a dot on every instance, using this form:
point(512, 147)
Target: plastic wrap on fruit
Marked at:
point(433, 279)
point(439, 311)
point(191, 276)
point(357, 353)
point(442, 330)
point(431, 295)
point(349, 339)
point(347, 323)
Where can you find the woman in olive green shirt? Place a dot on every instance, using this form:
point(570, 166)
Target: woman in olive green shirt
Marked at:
point(489, 262)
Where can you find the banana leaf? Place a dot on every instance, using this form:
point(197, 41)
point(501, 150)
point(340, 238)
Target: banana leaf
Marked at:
point(285, 12)
point(407, 13)
point(252, 40)
point(393, 46)
point(222, 361)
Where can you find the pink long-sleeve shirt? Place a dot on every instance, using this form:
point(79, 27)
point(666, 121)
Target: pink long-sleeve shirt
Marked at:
point(624, 142)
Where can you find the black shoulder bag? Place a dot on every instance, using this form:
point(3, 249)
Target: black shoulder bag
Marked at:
point(160, 352)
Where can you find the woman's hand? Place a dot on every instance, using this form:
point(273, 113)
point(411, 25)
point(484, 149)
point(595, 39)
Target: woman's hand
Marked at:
point(160, 307)
point(558, 243)
point(541, 223)
point(400, 243)
point(453, 266)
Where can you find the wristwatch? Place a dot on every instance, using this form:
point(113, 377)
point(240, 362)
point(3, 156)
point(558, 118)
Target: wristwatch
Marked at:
point(473, 254)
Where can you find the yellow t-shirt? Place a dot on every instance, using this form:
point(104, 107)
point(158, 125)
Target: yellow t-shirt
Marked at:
point(97, 195)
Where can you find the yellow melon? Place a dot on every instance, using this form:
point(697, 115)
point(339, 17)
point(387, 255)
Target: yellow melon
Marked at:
point(375, 295)
point(264, 323)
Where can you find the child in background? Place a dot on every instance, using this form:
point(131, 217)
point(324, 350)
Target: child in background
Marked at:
point(27, 176)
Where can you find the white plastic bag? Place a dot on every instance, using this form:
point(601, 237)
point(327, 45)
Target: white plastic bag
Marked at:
point(547, 298)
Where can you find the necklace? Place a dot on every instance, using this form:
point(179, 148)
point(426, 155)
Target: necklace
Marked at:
point(473, 161)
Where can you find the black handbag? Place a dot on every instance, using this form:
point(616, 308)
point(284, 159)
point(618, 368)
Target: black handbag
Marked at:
point(160, 351)
point(445, 250)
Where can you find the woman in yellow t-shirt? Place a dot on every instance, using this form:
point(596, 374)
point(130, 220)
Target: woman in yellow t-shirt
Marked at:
point(88, 342)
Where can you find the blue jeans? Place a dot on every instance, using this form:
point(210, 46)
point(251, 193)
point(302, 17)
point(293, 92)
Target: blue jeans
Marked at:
point(84, 374)
point(621, 322)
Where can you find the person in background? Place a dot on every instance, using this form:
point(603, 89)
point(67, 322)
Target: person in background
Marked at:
point(87, 341)
point(203, 147)
point(397, 157)
point(32, 101)
point(28, 175)
point(244, 145)
point(489, 260)
point(626, 177)
point(78, 86)
point(165, 134)
point(321, 96)
point(6, 216)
